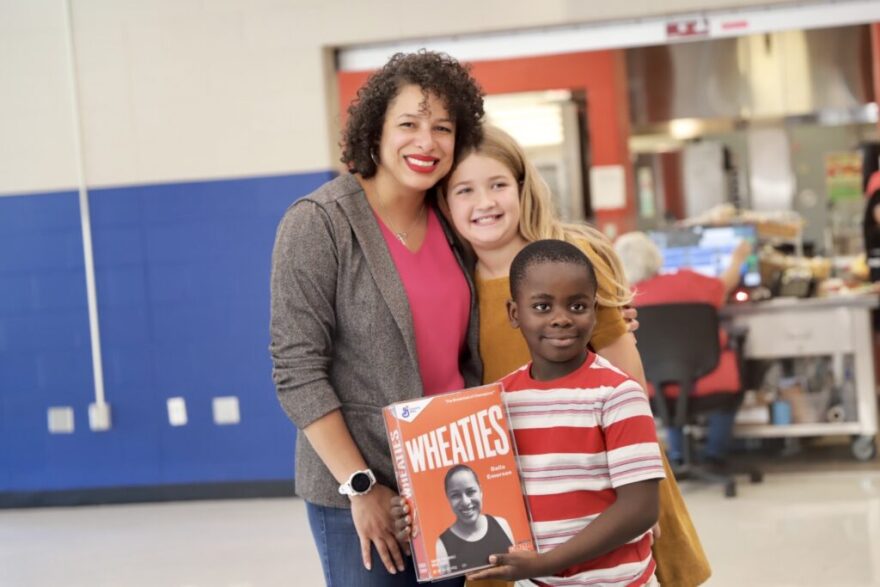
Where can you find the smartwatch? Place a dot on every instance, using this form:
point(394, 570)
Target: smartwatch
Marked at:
point(360, 483)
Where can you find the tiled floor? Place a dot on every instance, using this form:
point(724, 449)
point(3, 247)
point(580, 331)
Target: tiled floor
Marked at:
point(805, 525)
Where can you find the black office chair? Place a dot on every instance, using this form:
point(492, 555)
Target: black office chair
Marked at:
point(679, 344)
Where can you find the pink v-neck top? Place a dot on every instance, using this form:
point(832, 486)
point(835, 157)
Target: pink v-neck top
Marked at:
point(439, 300)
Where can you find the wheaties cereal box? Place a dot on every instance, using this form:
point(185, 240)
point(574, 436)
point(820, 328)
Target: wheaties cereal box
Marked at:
point(455, 462)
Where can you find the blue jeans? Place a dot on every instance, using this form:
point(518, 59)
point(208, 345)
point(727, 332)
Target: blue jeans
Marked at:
point(340, 552)
point(719, 430)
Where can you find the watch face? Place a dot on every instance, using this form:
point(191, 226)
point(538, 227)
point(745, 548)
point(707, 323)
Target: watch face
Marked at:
point(360, 482)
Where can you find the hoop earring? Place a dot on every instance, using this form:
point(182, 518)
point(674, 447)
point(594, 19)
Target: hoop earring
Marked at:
point(374, 158)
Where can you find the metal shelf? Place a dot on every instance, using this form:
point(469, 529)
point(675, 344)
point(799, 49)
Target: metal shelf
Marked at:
point(817, 429)
point(835, 326)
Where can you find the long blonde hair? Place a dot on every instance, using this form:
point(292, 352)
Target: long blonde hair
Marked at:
point(538, 218)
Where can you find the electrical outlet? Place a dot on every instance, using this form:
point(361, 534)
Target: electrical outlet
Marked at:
point(61, 420)
point(176, 411)
point(99, 417)
point(226, 410)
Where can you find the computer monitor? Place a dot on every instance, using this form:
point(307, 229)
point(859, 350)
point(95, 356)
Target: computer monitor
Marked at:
point(708, 249)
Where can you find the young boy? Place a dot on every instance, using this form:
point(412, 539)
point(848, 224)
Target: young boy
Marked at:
point(584, 432)
point(585, 436)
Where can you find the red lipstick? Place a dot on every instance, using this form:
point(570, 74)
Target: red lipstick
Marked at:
point(421, 163)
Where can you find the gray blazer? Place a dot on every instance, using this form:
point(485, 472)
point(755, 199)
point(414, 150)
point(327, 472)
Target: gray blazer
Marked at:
point(342, 330)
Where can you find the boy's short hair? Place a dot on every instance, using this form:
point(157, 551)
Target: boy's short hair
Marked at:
point(548, 251)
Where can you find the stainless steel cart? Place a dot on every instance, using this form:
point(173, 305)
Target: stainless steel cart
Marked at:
point(835, 326)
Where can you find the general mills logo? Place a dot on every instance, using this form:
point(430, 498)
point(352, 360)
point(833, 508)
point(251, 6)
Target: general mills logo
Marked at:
point(409, 412)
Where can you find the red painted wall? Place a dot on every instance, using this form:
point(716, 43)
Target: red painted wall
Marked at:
point(600, 74)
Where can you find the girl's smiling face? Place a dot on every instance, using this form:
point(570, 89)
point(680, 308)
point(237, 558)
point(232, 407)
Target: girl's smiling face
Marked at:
point(483, 199)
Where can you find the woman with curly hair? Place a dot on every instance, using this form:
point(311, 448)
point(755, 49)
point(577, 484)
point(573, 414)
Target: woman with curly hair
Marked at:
point(371, 304)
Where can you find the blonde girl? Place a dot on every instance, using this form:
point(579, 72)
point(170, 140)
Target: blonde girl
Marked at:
point(498, 203)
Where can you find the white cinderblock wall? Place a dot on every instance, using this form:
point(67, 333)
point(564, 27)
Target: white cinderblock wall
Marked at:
point(172, 90)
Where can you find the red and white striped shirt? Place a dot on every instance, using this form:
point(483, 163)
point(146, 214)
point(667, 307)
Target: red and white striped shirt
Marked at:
point(580, 437)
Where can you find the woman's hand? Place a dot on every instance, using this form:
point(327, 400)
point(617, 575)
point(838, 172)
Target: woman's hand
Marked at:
point(402, 521)
point(512, 566)
point(372, 520)
point(630, 316)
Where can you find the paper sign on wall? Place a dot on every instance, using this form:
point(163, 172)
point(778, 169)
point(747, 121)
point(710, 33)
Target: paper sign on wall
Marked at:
point(843, 175)
point(608, 187)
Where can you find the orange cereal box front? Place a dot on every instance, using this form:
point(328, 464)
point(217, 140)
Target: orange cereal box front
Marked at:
point(455, 462)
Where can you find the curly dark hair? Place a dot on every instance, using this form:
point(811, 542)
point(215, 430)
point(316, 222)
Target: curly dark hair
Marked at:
point(437, 74)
